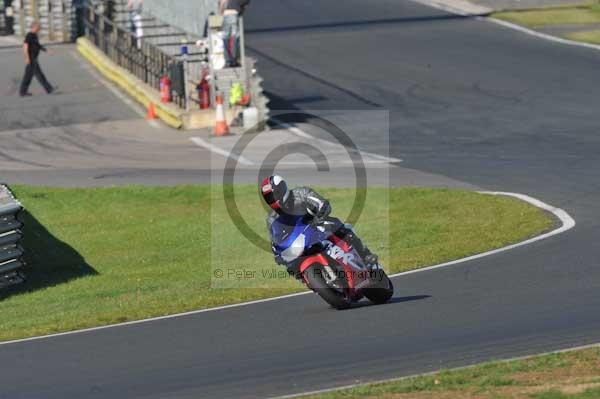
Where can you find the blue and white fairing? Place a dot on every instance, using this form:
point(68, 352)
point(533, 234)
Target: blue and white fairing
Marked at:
point(291, 236)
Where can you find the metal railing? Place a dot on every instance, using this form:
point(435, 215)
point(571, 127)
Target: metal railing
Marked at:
point(11, 253)
point(137, 55)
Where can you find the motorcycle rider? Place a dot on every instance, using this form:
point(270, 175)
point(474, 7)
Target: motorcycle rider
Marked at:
point(303, 201)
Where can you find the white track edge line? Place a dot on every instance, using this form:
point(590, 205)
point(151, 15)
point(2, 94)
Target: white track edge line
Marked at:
point(566, 220)
point(398, 379)
point(217, 150)
point(506, 24)
point(540, 35)
point(301, 133)
point(443, 7)
point(338, 163)
point(131, 323)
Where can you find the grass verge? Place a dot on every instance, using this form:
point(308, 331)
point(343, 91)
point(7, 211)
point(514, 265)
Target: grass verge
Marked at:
point(588, 36)
point(570, 375)
point(568, 15)
point(102, 256)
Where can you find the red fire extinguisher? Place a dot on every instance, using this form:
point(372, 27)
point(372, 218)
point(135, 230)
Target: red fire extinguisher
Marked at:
point(204, 91)
point(165, 89)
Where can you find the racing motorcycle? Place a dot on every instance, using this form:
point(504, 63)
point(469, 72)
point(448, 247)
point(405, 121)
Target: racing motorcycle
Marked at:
point(327, 264)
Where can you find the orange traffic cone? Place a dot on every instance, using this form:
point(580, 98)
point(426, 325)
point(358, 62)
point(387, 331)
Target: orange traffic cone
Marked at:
point(151, 115)
point(221, 128)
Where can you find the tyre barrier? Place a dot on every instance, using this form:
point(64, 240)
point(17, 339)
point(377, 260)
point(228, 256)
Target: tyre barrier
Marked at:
point(11, 253)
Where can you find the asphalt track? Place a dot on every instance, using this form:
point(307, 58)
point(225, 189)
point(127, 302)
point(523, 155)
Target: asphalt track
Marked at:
point(469, 100)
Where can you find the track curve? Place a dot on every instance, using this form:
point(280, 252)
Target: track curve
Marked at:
point(469, 100)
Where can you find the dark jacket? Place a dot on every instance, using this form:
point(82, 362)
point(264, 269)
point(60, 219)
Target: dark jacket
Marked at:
point(34, 46)
point(303, 201)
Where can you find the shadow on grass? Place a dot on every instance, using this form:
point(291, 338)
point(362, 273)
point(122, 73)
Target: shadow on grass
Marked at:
point(49, 260)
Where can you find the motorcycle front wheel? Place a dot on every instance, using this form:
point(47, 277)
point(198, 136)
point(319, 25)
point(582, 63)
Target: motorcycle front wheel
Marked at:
point(382, 294)
point(315, 278)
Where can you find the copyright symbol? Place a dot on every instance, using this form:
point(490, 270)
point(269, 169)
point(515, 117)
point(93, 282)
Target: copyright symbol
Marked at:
point(286, 149)
point(218, 273)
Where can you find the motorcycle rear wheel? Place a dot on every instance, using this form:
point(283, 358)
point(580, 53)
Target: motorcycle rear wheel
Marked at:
point(314, 276)
point(380, 295)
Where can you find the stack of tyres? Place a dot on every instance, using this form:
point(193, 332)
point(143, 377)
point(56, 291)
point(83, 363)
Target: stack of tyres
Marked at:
point(11, 253)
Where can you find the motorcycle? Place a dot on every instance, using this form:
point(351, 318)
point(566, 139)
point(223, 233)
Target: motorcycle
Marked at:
point(327, 264)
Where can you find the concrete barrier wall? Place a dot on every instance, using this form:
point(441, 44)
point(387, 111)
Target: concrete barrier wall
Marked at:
point(189, 15)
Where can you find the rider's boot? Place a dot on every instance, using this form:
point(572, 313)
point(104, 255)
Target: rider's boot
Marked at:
point(371, 259)
point(347, 233)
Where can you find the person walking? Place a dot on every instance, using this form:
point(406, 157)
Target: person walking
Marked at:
point(31, 50)
point(232, 10)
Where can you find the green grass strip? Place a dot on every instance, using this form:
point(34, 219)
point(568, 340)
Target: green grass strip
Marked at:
point(570, 375)
point(538, 18)
point(109, 255)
